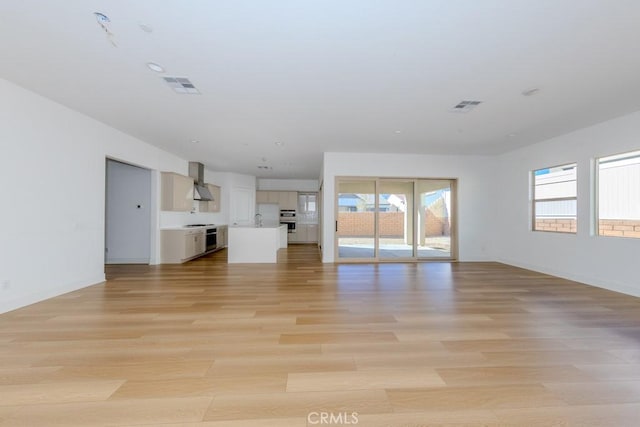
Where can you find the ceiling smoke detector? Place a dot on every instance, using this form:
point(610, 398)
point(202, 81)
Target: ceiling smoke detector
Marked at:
point(181, 85)
point(465, 106)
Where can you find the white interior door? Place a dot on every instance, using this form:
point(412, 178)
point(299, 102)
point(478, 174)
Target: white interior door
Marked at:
point(127, 214)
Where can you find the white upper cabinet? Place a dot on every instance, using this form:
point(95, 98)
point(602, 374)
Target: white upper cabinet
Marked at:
point(176, 192)
point(284, 199)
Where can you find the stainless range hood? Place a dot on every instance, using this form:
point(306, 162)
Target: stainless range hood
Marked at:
point(200, 193)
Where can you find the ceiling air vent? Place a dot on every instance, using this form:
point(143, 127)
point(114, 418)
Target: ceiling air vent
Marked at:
point(465, 106)
point(181, 85)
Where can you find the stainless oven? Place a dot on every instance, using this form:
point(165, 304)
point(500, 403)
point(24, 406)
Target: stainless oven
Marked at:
point(211, 239)
point(288, 218)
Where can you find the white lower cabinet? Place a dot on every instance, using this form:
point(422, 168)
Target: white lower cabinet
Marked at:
point(223, 233)
point(178, 246)
point(305, 233)
point(312, 233)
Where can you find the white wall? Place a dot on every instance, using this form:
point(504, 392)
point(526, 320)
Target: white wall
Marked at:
point(52, 180)
point(310, 185)
point(474, 175)
point(608, 262)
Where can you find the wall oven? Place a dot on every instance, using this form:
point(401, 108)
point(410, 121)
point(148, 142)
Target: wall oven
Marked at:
point(288, 218)
point(211, 239)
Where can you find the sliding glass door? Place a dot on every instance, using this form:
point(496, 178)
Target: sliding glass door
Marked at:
point(355, 230)
point(434, 218)
point(394, 219)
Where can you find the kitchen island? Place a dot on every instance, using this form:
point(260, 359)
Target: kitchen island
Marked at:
point(254, 244)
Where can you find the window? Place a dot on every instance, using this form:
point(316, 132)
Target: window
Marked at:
point(619, 195)
point(555, 199)
point(307, 207)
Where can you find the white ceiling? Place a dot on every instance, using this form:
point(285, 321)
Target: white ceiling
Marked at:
point(330, 75)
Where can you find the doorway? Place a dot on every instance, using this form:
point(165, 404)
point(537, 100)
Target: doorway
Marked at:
point(395, 219)
point(127, 214)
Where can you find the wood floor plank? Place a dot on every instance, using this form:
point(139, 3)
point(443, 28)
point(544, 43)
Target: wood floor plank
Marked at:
point(339, 337)
point(459, 418)
point(111, 412)
point(139, 371)
point(512, 375)
point(274, 405)
point(210, 385)
point(292, 363)
point(597, 393)
point(622, 415)
point(617, 372)
point(58, 392)
point(27, 375)
point(545, 358)
point(364, 380)
point(265, 422)
point(473, 398)
point(206, 343)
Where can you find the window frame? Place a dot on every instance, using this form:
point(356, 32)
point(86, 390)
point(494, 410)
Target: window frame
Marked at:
point(595, 229)
point(532, 187)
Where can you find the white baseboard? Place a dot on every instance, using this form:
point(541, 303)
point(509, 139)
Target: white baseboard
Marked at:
point(127, 261)
point(25, 300)
point(607, 284)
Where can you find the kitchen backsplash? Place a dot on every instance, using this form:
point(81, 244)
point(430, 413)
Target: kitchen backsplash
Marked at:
point(177, 219)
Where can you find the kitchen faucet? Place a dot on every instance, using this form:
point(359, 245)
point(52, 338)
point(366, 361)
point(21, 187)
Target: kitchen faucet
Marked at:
point(258, 220)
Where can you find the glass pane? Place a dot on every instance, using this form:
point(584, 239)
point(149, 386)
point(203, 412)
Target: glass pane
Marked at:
point(307, 209)
point(395, 219)
point(434, 218)
point(356, 216)
point(619, 195)
point(554, 193)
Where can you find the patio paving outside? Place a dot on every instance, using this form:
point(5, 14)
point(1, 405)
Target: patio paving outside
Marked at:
point(358, 247)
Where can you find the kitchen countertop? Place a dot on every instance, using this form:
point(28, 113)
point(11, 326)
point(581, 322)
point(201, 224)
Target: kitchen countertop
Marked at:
point(203, 227)
point(264, 225)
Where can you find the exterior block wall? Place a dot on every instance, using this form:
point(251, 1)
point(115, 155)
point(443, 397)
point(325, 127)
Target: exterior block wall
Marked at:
point(607, 227)
point(359, 224)
point(354, 224)
point(620, 227)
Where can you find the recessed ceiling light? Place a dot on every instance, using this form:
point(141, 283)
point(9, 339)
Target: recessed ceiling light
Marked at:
point(279, 143)
point(195, 141)
point(155, 67)
point(532, 91)
point(397, 131)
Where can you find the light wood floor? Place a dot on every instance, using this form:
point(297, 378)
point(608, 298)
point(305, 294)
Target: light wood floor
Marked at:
point(211, 344)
